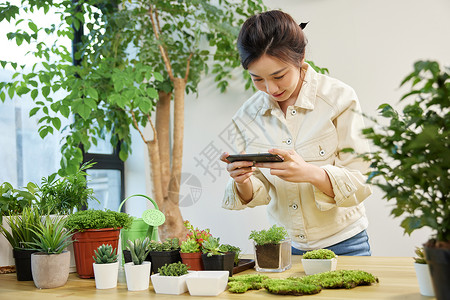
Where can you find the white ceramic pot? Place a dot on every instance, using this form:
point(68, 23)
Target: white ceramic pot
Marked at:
point(207, 283)
point(314, 266)
point(106, 275)
point(172, 285)
point(424, 278)
point(137, 276)
point(6, 253)
point(50, 270)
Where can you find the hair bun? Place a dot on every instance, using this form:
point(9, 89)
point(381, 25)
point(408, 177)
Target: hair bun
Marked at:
point(303, 25)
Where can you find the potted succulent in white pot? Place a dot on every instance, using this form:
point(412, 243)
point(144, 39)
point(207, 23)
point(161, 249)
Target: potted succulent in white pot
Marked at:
point(411, 157)
point(423, 274)
point(50, 265)
point(272, 249)
point(319, 261)
point(106, 267)
point(171, 279)
point(137, 272)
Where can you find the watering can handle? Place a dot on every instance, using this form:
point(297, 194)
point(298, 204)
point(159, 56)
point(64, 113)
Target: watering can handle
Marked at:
point(138, 195)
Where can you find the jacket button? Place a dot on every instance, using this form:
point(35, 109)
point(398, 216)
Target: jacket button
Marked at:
point(289, 141)
point(294, 206)
point(301, 236)
point(293, 112)
point(322, 152)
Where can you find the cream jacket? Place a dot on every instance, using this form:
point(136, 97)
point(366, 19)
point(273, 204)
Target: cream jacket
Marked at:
point(325, 119)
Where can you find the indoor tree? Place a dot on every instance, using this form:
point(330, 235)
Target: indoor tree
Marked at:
point(132, 60)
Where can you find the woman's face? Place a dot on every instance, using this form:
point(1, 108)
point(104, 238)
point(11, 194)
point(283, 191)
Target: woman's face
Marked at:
point(278, 79)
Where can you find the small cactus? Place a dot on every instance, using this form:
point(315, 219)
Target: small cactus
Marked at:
point(139, 250)
point(105, 254)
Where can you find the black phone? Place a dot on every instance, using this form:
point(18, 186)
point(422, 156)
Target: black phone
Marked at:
point(256, 157)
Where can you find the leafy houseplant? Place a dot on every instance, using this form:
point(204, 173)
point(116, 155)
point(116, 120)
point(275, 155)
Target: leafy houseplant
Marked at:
point(191, 255)
point(272, 249)
point(319, 261)
point(63, 195)
point(137, 272)
point(19, 234)
point(50, 265)
point(411, 164)
point(13, 201)
point(423, 273)
point(171, 279)
point(92, 229)
point(175, 43)
point(106, 267)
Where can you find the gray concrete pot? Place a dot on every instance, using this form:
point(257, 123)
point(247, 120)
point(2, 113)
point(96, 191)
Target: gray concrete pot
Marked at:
point(50, 270)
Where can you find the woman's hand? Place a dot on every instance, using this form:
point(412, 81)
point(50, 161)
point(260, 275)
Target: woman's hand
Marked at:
point(240, 171)
point(295, 169)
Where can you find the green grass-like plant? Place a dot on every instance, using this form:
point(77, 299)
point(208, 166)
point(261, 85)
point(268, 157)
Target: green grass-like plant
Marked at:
point(420, 259)
point(319, 254)
point(242, 283)
point(139, 250)
point(97, 219)
point(273, 235)
point(105, 254)
point(21, 227)
point(174, 269)
point(339, 279)
point(290, 287)
point(51, 236)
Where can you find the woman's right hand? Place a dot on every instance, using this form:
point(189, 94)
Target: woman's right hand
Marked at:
point(240, 171)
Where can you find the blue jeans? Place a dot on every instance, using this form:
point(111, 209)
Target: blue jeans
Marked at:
point(357, 245)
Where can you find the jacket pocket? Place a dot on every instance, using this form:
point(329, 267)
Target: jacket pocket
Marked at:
point(322, 148)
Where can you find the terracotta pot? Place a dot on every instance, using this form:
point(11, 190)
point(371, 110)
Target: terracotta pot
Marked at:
point(86, 242)
point(192, 260)
point(50, 270)
point(22, 258)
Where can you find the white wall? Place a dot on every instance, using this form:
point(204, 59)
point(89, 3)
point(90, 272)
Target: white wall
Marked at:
point(370, 45)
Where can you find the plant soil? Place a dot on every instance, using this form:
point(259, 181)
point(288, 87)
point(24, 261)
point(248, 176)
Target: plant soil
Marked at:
point(268, 256)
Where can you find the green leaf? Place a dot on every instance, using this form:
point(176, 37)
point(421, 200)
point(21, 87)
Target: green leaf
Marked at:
point(34, 111)
point(33, 26)
point(65, 111)
point(91, 103)
point(45, 91)
point(34, 94)
point(21, 90)
point(56, 123)
point(158, 76)
point(92, 93)
point(152, 93)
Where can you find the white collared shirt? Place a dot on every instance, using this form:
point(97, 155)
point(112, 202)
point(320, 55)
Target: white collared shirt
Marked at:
point(325, 119)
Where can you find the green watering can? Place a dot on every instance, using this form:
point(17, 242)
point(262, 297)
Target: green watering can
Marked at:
point(147, 226)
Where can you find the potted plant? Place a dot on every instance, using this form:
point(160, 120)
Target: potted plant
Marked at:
point(106, 267)
point(319, 261)
point(162, 253)
point(19, 234)
point(12, 202)
point(171, 279)
point(216, 259)
point(92, 228)
point(272, 249)
point(423, 273)
point(137, 272)
point(411, 159)
point(50, 265)
point(191, 248)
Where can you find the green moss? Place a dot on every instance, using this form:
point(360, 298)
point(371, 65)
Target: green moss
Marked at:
point(242, 283)
point(339, 279)
point(97, 219)
point(290, 287)
point(319, 254)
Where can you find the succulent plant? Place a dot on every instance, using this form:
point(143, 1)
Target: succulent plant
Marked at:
point(174, 269)
point(189, 246)
point(139, 250)
point(420, 259)
point(105, 254)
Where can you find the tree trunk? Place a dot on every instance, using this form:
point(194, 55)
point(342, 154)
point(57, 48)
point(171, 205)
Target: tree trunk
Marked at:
point(163, 131)
point(155, 165)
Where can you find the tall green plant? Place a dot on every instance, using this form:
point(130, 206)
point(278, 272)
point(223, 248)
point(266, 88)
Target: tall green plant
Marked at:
point(410, 159)
point(22, 227)
point(51, 236)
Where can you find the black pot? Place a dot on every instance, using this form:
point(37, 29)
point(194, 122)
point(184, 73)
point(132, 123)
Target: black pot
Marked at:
point(22, 258)
point(160, 258)
point(438, 260)
point(219, 262)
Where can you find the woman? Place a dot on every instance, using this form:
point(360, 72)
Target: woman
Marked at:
point(307, 118)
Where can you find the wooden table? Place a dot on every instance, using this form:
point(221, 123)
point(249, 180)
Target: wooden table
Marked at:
point(396, 274)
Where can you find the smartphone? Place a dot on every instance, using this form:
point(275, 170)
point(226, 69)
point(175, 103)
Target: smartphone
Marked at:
point(256, 157)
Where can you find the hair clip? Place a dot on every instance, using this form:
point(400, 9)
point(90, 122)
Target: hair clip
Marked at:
point(303, 25)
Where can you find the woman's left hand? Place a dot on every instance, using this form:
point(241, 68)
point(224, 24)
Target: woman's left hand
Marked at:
point(293, 168)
